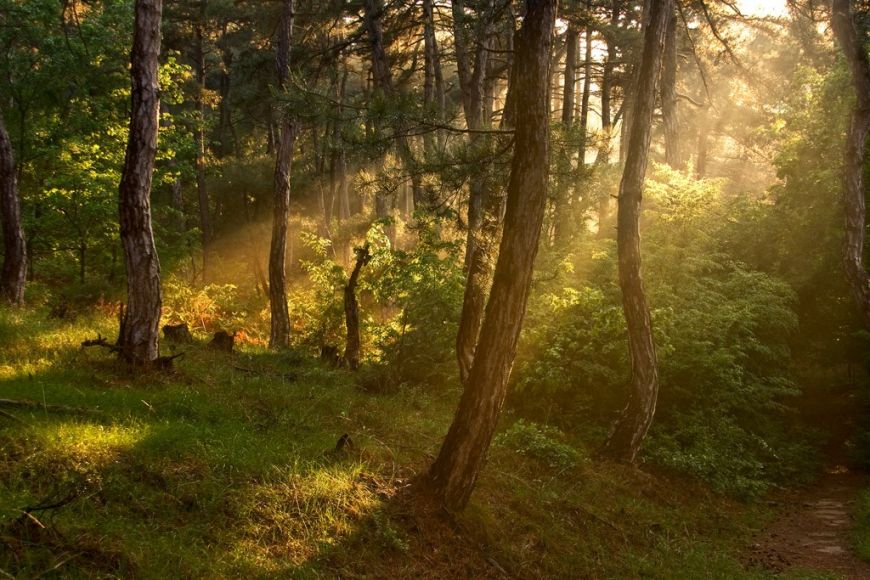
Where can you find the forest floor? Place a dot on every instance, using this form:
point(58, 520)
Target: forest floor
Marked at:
point(227, 467)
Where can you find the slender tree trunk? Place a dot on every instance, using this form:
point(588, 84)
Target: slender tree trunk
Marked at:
point(847, 23)
point(455, 471)
point(351, 310)
point(673, 154)
point(279, 333)
point(433, 86)
point(570, 79)
point(483, 210)
point(603, 155)
point(562, 221)
point(139, 326)
point(634, 422)
point(14, 249)
point(201, 187)
point(587, 91)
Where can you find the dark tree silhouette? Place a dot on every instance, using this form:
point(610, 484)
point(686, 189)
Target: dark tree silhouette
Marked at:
point(14, 248)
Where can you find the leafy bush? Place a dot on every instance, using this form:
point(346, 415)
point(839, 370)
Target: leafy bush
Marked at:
point(722, 334)
point(541, 442)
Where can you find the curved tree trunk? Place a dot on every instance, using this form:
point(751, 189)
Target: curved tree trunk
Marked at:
point(852, 39)
point(139, 326)
point(455, 471)
point(351, 309)
point(279, 332)
point(14, 248)
point(634, 422)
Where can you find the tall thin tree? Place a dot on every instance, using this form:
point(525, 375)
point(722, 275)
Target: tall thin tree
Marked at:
point(455, 471)
point(670, 121)
point(139, 326)
point(636, 418)
point(279, 334)
point(14, 248)
point(849, 28)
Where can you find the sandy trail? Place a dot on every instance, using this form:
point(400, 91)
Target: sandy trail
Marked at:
point(814, 530)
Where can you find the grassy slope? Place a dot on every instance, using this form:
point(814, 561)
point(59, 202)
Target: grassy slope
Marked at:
point(215, 471)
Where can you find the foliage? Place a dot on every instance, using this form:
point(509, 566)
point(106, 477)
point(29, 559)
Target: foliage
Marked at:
point(541, 442)
point(723, 333)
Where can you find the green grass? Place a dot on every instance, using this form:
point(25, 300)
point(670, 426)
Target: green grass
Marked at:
point(862, 526)
point(213, 471)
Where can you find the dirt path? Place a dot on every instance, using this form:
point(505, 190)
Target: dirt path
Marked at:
point(813, 532)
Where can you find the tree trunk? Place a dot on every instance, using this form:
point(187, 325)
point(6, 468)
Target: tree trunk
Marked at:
point(570, 82)
point(199, 100)
point(587, 91)
point(14, 249)
point(279, 333)
point(455, 471)
point(139, 326)
point(848, 28)
point(351, 309)
point(634, 422)
point(483, 206)
point(433, 86)
point(603, 155)
point(673, 154)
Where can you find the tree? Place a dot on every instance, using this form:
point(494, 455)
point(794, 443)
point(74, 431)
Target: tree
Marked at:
point(471, 67)
point(455, 471)
point(850, 33)
point(670, 122)
point(139, 325)
point(279, 335)
point(14, 249)
point(636, 418)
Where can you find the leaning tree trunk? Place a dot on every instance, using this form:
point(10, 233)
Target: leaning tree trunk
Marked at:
point(138, 335)
point(351, 309)
point(634, 422)
point(279, 333)
point(455, 471)
point(852, 38)
point(673, 154)
point(483, 206)
point(14, 248)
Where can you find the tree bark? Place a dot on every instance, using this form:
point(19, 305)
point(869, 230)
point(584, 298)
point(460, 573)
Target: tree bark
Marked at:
point(673, 153)
point(455, 471)
point(14, 249)
point(279, 332)
point(351, 310)
point(847, 24)
point(587, 91)
point(634, 422)
point(603, 155)
point(205, 223)
point(570, 82)
point(138, 335)
point(483, 206)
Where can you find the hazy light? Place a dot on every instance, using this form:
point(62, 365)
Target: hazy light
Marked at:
point(763, 7)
